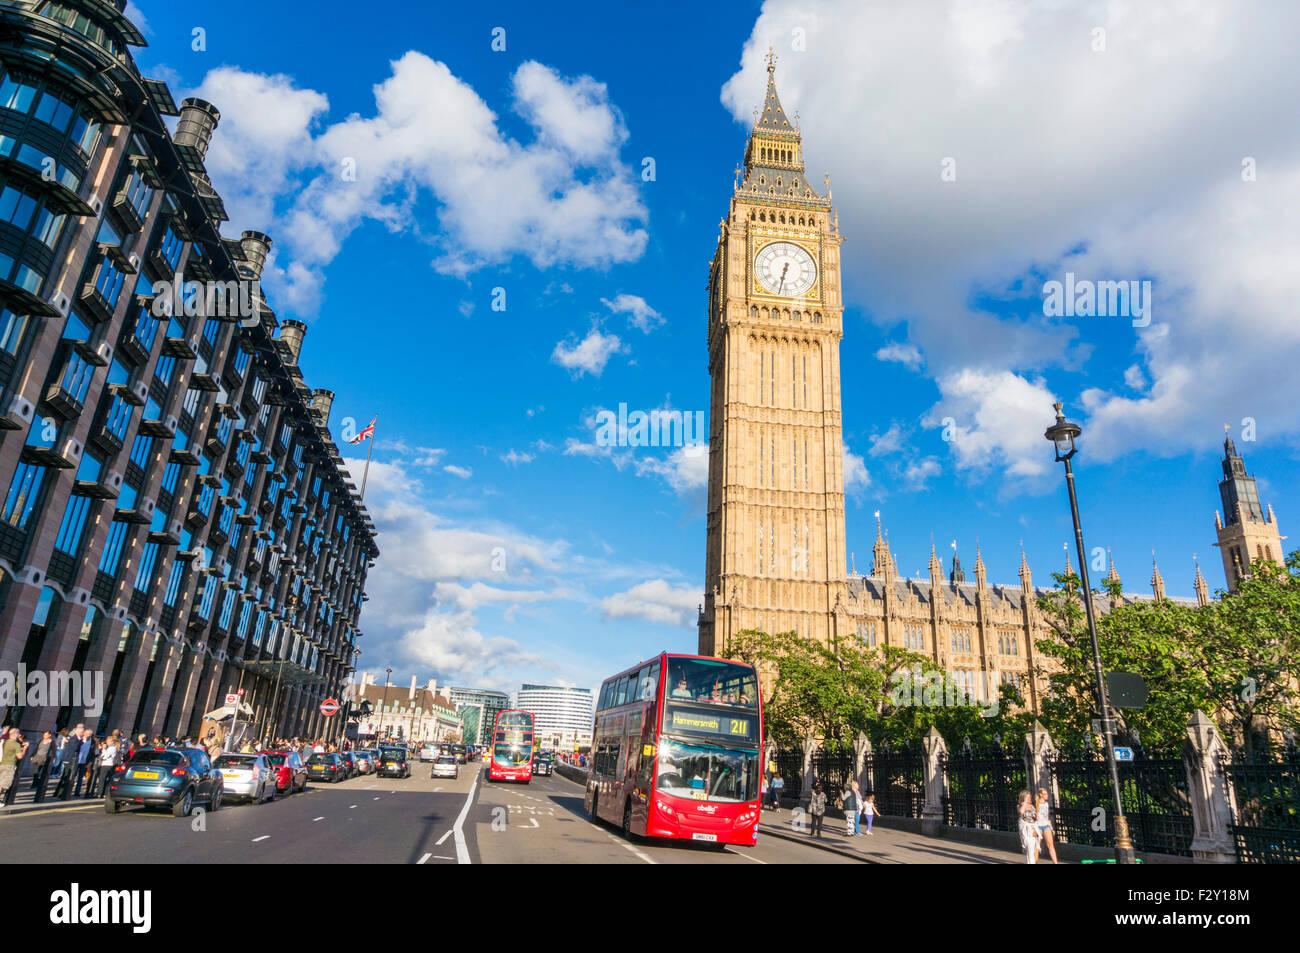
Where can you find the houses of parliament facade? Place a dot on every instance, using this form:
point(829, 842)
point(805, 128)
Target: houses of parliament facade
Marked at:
point(775, 557)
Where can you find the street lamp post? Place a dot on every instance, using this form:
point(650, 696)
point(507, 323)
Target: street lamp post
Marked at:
point(388, 674)
point(1063, 434)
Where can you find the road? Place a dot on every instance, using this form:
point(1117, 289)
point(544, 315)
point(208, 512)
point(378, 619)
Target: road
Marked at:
point(416, 820)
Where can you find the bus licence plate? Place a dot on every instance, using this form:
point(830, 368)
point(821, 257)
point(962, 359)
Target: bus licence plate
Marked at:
point(708, 837)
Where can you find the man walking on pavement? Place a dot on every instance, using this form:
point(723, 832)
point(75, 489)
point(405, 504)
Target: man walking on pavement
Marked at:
point(41, 765)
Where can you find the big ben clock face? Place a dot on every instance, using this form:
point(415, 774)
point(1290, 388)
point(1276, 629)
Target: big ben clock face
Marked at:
point(784, 268)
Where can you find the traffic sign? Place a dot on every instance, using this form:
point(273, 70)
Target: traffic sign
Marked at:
point(232, 699)
point(329, 707)
point(1126, 690)
point(1123, 754)
point(239, 692)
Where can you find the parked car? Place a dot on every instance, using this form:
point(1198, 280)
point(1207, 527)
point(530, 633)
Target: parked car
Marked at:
point(349, 764)
point(543, 765)
point(393, 762)
point(445, 767)
point(289, 770)
point(326, 767)
point(247, 777)
point(428, 752)
point(175, 778)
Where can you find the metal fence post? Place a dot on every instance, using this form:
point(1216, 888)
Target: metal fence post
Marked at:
point(809, 772)
point(1212, 807)
point(1038, 773)
point(935, 749)
point(861, 752)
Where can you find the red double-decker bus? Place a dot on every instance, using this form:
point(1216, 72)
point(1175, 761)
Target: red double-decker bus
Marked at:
point(677, 750)
point(512, 747)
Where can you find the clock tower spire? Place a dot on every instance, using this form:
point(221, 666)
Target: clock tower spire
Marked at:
point(775, 551)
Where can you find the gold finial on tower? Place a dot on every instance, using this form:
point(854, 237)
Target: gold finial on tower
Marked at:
point(771, 60)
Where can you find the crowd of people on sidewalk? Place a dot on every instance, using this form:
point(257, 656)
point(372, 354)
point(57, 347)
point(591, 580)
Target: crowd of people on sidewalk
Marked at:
point(81, 763)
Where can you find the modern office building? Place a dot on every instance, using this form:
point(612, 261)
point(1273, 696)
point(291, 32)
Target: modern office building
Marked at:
point(478, 724)
point(562, 716)
point(176, 520)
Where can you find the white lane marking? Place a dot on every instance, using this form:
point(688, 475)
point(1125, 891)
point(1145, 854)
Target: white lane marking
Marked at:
point(436, 790)
point(352, 807)
point(375, 798)
point(462, 850)
point(263, 837)
point(442, 839)
point(315, 819)
point(440, 857)
point(728, 850)
point(628, 846)
point(424, 858)
point(535, 824)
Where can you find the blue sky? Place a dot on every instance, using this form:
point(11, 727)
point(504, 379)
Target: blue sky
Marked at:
point(514, 548)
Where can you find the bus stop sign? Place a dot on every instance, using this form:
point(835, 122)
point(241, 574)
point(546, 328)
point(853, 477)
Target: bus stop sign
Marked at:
point(1126, 690)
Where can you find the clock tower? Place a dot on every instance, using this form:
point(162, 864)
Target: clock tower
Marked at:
point(775, 538)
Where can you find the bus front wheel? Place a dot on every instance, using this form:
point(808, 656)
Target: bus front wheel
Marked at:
point(627, 820)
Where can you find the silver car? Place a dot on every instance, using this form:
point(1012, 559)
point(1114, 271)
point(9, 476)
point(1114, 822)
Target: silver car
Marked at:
point(445, 767)
point(365, 761)
point(246, 777)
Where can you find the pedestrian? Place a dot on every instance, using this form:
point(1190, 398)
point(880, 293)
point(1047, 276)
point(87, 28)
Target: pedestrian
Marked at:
point(1043, 821)
point(857, 801)
point(41, 762)
point(817, 808)
point(1029, 834)
point(850, 805)
point(109, 757)
point(870, 811)
point(60, 745)
point(68, 763)
point(12, 750)
point(85, 762)
point(764, 794)
point(778, 788)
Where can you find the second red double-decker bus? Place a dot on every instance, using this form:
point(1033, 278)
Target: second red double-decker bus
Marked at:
point(676, 750)
point(512, 747)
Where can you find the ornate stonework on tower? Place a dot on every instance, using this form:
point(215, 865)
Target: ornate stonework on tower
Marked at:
point(1247, 535)
point(775, 558)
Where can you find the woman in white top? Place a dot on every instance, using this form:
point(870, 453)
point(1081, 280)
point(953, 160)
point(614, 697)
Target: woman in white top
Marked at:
point(1043, 822)
point(1029, 835)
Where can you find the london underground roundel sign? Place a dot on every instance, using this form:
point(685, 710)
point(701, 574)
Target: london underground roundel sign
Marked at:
point(329, 707)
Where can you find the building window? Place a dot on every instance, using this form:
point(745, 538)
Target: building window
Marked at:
point(74, 523)
point(867, 635)
point(112, 555)
point(914, 638)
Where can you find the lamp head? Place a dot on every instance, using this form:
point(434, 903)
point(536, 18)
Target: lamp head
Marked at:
point(1062, 434)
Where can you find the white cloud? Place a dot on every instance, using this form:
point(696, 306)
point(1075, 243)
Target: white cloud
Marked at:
point(640, 314)
point(1134, 377)
point(995, 419)
point(903, 354)
point(514, 458)
point(463, 472)
point(588, 356)
point(477, 595)
point(655, 600)
point(856, 476)
point(918, 472)
point(565, 197)
point(1010, 92)
point(889, 442)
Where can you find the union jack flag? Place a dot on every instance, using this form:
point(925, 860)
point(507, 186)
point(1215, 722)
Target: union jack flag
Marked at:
point(368, 432)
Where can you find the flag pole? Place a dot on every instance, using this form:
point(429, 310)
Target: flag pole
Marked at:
point(369, 450)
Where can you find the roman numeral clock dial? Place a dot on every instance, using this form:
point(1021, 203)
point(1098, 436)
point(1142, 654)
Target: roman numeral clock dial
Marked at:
point(784, 268)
